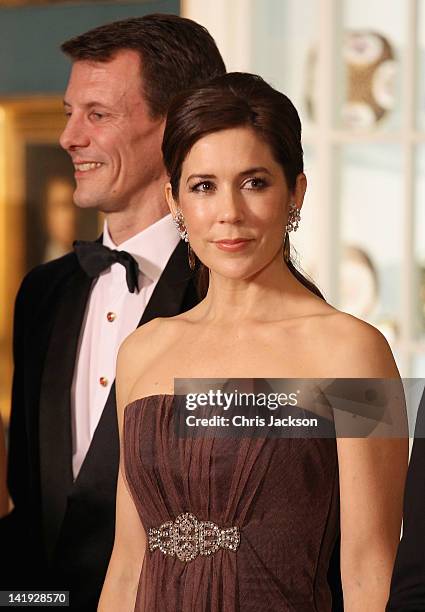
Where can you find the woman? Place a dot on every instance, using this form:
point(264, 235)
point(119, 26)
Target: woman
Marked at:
point(233, 153)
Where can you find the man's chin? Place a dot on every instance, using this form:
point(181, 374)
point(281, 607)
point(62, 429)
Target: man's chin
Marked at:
point(88, 201)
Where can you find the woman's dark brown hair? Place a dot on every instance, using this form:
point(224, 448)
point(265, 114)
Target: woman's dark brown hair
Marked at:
point(232, 100)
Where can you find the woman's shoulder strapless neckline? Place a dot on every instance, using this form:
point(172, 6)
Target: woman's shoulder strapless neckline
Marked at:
point(147, 398)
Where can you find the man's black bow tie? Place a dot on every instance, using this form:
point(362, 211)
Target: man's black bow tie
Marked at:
point(94, 258)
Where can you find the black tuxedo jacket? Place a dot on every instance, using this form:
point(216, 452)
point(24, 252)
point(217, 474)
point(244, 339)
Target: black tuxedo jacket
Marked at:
point(408, 581)
point(61, 532)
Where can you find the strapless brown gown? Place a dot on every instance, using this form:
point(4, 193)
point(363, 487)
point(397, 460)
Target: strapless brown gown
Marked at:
point(281, 493)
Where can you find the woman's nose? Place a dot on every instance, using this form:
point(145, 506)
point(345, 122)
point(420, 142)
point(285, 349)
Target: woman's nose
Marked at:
point(231, 207)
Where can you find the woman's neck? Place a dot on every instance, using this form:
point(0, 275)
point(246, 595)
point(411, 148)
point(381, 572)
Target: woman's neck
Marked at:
point(273, 293)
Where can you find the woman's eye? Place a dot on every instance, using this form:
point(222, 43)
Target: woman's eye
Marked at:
point(203, 187)
point(255, 183)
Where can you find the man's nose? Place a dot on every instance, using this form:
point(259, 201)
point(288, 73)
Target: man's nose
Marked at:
point(75, 134)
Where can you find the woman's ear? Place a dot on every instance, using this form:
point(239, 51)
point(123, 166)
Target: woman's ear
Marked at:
point(172, 204)
point(299, 190)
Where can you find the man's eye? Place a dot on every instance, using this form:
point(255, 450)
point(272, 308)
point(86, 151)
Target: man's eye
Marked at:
point(255, 183)
point(96, 115)
point(203, 187)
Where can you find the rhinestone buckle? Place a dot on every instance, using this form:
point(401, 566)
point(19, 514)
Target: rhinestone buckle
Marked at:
point(187, 537)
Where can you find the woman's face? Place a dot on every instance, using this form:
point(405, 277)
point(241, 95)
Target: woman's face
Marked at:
point(235, 200)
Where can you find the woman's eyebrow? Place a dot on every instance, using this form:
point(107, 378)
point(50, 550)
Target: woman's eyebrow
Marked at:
point(200, 176)
point(255, 169)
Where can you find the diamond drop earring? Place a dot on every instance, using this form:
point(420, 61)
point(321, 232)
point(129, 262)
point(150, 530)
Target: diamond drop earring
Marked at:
point(191, 257)
point(294, 218)
point(181, 227)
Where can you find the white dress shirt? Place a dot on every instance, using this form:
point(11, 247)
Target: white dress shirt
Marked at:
point(112, 313)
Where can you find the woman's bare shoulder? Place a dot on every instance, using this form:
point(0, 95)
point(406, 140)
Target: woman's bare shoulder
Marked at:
point(353, 348)
point(140, 350)
point(151, 338)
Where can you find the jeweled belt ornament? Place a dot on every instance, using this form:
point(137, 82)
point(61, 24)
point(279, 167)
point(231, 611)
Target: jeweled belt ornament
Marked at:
point(186, 537)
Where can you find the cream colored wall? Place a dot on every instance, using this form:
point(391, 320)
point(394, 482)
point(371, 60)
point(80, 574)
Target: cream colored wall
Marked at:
point(230, 25)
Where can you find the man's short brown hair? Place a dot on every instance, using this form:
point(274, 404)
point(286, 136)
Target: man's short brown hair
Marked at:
point(175, 53)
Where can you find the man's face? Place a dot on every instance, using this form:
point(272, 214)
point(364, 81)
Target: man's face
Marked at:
point(114, 144)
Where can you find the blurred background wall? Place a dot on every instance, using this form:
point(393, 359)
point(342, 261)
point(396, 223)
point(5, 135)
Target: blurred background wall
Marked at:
point(32, 32)
point(355, 71)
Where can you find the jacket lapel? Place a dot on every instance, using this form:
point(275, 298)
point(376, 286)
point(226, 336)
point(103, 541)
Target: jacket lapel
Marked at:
point(173, 293)
point(55, 405)
point(169, 294)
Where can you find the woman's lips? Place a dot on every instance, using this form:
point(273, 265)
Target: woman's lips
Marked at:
point(236, 244)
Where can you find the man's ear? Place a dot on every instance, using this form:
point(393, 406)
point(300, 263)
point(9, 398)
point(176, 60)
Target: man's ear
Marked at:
point(172, 204)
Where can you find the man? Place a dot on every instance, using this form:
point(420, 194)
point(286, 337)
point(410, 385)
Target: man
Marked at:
point(71, 314)
point(408, 581)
